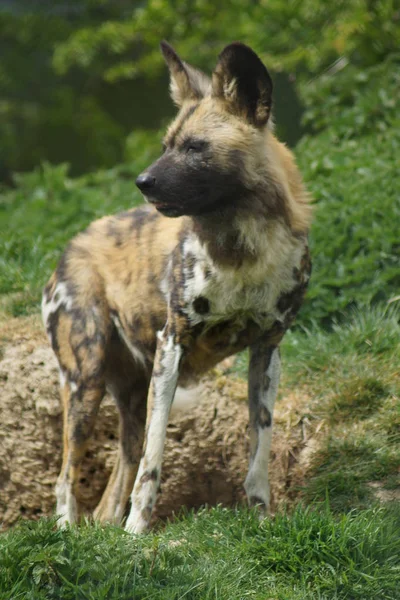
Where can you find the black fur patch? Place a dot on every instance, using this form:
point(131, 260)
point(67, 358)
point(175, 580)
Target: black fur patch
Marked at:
point(256, 501)
point(264, 418)
point(201, 305)
point(149, 476)
point(240, 64)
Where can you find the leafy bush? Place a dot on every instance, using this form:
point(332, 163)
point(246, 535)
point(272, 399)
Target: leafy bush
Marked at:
point(307, 35)
point(87, 72)
point(352, 171)
point(354, 101)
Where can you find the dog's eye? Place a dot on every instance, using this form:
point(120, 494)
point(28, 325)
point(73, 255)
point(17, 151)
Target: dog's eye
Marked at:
point(195, 145)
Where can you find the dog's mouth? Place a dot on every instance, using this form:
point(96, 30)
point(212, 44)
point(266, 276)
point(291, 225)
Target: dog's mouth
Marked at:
point(166, 209)
point(169, 209)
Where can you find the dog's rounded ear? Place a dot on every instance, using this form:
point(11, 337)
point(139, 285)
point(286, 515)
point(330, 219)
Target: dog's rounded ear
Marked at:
point(187, 83)
point(243, 82)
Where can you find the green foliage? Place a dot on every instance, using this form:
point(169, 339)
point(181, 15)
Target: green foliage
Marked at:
point(76, 77)
point(358, 398)
point(354, 101)
point(308, 34)
point(41, 114)
point(351, 169)
point(372, 333)
point(346, 466)
point(354, 238)
point(217, 553)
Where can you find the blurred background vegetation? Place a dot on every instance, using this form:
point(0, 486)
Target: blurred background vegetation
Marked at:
point(78, 76)
point(84, 94)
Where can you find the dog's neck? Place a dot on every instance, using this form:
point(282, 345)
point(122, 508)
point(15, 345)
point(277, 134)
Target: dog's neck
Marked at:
point(236, 236)
point(218, 232)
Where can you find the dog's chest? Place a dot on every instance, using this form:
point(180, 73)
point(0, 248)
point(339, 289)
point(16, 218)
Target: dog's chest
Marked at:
point(215, 312)
point(225, 315)
point(222, 297)
point(211, 295)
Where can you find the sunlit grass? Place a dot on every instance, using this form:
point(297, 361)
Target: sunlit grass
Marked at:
point(217, 553)
point(352, 374)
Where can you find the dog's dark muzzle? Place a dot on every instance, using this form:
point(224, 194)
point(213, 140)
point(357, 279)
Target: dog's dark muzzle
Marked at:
point(147, 185)
point(145, 182)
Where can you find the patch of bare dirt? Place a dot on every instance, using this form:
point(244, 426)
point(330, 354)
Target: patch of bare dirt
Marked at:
point(382, 494)
point(206, 452)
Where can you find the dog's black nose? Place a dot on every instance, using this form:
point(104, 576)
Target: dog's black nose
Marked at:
point(145, 182)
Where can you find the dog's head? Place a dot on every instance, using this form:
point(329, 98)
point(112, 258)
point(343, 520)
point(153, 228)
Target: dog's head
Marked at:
point(214, 149)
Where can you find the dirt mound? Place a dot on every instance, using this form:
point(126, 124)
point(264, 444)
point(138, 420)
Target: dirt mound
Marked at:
point(206, 453)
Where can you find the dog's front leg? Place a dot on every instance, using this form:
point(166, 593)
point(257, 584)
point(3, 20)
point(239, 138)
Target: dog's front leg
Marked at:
point(264, 373)
point(161, 395)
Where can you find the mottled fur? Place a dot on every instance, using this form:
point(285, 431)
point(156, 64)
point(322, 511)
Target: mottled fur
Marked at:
point(141, 302)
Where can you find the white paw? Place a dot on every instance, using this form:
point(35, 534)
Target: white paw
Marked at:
point(136, 523)
point(258, 494)
point(67, 509)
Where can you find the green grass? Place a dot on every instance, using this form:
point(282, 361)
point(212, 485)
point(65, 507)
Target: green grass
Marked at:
point(351, 169)
point(215, 554)
point(369, 334)
point(343, 546)
point(352, 374)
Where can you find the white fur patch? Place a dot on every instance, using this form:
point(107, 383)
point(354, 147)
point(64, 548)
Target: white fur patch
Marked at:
point(165, 384)
point(135, 523)
point(66, 504)
point(274, 373)
point(144, 493)
point(136, 353)
point(164, 284)
point(60, 297)
point(230, 89)
point(62, 378)
point(195, 281)
point(251, 291)
point(256, 484)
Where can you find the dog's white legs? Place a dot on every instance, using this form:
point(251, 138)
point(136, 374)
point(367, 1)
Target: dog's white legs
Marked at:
point(161, 394)
point(264, 372)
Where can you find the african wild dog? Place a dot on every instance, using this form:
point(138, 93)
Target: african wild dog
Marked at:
point(141, 302)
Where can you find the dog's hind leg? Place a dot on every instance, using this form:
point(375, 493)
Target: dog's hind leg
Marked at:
point(79, 328)
point(81, 401)
point(264, 373)
point(132, 410)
